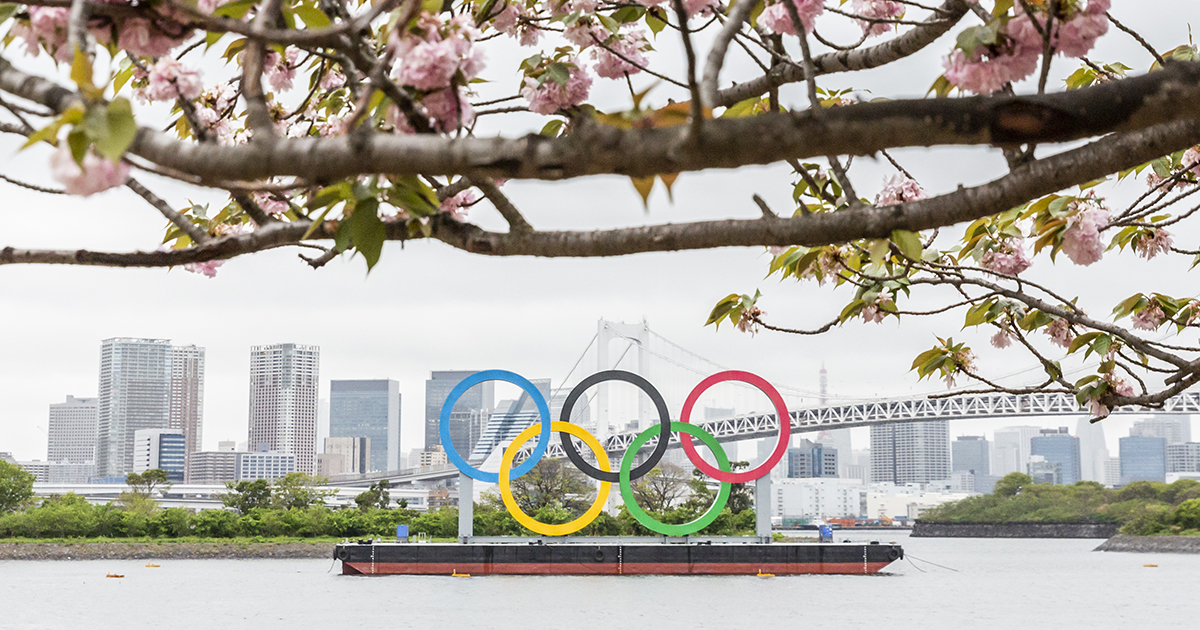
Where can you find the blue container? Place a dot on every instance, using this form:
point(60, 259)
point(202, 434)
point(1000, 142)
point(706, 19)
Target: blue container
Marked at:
point(826, 532)
point(402, 532)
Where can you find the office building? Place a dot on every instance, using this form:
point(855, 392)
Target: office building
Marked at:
point(480, 398)
point(809, 459)
point(1093, 449)
point(212, 467)
point(434, 456)
point(1143, 459)
point(970, 453)
point(798, 501)
point(1173, 429)
point(38, 468)
point(910, 452)
point(165, 449)
point(187, 395)
point(1010, 449)
point(134, 394)
point(347, 455)
point(1183, 458)
point(838, 440)
point(264, 465)
point(1044, 471)
point(71, 439)
point(283, 402)
point(1061, 449)
point(509, 419)
point(1112, 472)
point(368, 409)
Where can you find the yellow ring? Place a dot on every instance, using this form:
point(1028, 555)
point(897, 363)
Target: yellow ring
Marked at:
point(529, 522)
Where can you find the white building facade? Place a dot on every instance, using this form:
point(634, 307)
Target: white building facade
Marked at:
point(284, 380)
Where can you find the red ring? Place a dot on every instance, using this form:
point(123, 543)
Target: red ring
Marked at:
point(785, 427)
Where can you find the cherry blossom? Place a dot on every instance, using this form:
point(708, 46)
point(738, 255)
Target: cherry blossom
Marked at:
point(899, 189)
point(280, 71)
point(1150, 245)
point(95, 174)
point(270, 204)
point(612, 64)
point(1149, 318)
point(775, 18)
point(169, 80)
point(1060, 333)
point(1008, 257)
point(1191, 161)
point(551, 97)
point(207, 268)
point(457, 206)
point(139, 37)
point(1081, 240)
point(448, 109)
point(584, 32)
point(1002, 339)
point(1077, 36)
point(48, 26)
point(884, 9)
point(876, 311)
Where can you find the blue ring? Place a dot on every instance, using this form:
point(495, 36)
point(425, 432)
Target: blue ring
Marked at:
point(460, 389)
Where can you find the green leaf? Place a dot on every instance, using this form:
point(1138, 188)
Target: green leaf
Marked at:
point(908, 242)
point(78, 142)
point(7, 10)
point(312, 16)
point(1082, 340)
point(628, 14)
point(559, 73)
point(121, 130)
point(941, 87)
point(236, 9)
point(656, 19)
point(552, 128)
point(365, 231)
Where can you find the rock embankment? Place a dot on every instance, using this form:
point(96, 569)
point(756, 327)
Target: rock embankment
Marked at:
point(925, 529)
point(1152, 544)
point(162, 550)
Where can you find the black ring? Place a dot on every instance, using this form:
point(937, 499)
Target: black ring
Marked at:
point(894, 553)
point(599, 555)
point(343, 553)
point(664, 421)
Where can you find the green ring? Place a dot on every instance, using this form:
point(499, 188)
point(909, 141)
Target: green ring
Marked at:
point(650, 522)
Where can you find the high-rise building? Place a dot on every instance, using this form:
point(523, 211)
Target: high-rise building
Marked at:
point(809, 459)
point(1061, 449)
point(1143, 459)
point(368, 409)
point(910, 452)
point(1093, 449)
point(970, 453)
point(1173, 429)
point(1183, 457)
point(1112, 472)
point(509, 419)
point(1010, 449)
point(164, 449)
point(71, 438)
point(187, 395)
point(352, 455)
point(838, 440)
point(284, 379)
point(264, 465)
point(481, 397)
point(134, 394)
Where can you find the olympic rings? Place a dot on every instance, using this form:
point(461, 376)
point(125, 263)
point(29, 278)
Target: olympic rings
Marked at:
point(601, 494)
point(785, 427)
point(664, 422)
point(494, 375)
point(650, 522)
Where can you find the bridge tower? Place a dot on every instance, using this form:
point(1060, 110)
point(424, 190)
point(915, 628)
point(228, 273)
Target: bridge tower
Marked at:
point(639, 335)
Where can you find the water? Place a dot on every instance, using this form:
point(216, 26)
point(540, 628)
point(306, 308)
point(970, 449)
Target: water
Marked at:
point(997, 584)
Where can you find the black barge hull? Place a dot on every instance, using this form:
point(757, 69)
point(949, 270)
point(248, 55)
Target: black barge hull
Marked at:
point(614, 559)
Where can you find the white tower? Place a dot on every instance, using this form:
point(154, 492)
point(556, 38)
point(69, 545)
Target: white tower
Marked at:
point(638, 334)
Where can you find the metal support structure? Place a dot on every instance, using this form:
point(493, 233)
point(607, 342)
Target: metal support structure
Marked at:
point(466, 508)
point(762, 508)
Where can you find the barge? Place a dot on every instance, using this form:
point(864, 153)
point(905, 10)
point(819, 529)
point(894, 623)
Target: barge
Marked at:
point(540, 557)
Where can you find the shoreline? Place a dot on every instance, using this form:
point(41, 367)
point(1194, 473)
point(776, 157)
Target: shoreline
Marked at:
point(1151, 544)
point(927, 529)
point(164, 550)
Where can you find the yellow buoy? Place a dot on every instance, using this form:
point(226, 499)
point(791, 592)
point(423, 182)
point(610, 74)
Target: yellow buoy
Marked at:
point(152, 565)
point(1150, 565)
point(114, 575)
point(457, 574)
point(761, 574)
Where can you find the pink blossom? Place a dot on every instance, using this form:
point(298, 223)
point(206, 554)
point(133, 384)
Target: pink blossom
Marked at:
point(1096, 409)
point(775, 18)
point(96, 174)
point(1122, 387)
point(280, 71)
point(1059, 332)
point(428, 66)
point(140, 38)
point(506, 20)
point(630, 46)
point(883, 9)
point(333, 80)
point(1150, 245)
point(1002, 339)
point(1008, 257)
point(897, 190)
point(207, 268)
point(551, 97)
point(876, 311)
point(1077, 36)
point(1149, 318)
point(1191, 161)
point(169, 80)
point(456, 206)
point(1081, 239)
point(270, 204)
point(692, 7)
point(48, 24)
point(448, 109)
point(208, 6)
point(584, 33)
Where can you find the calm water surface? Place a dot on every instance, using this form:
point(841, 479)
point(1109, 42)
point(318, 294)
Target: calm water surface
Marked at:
point(1009, 584)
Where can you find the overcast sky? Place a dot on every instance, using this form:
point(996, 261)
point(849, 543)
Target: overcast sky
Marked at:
point(429, 307)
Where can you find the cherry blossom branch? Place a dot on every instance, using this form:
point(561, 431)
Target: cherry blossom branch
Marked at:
point(757, 319)
point(894, 49)
point(33, 187)
point(258, 115)
point(1132, 33)
point(506, 208)
point(187, 227)
point(716, 55)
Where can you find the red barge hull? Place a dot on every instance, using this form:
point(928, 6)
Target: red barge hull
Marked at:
point(615, 559)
